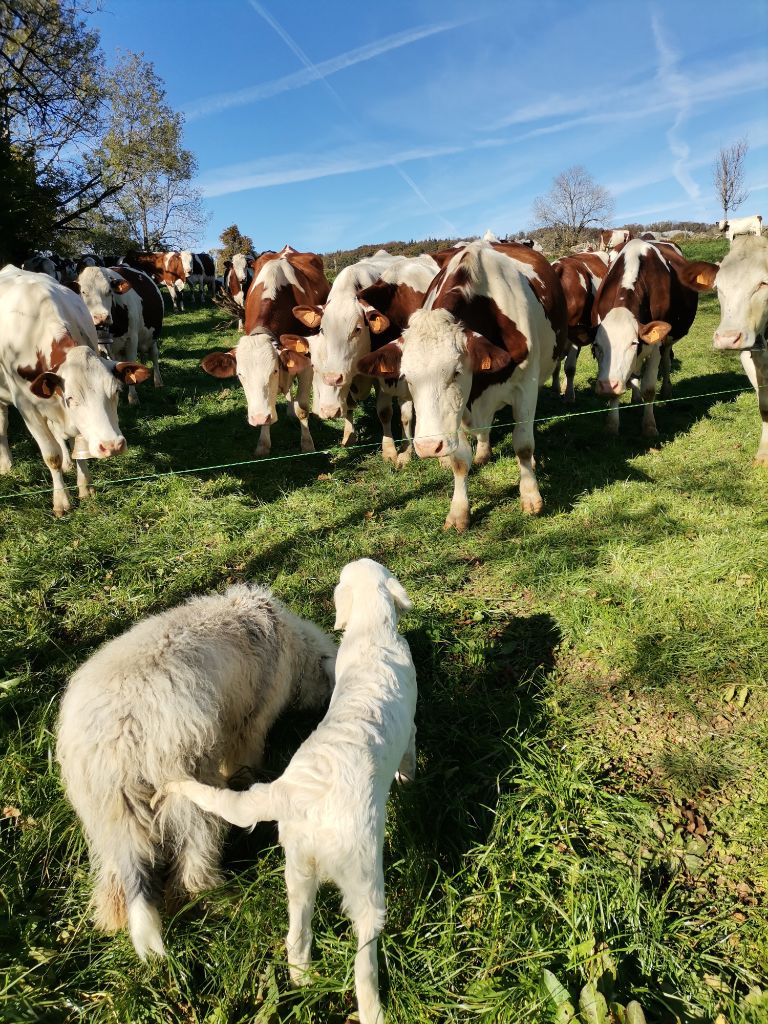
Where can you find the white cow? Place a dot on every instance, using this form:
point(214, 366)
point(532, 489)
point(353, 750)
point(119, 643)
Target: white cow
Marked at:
point(193, 268)
point(51, 371)
point(491, 327)
point(741, 226)
point(132, 317)
point(343, 336)
point(742, 288)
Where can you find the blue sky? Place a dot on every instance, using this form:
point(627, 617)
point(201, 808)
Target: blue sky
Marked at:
point(333, 125)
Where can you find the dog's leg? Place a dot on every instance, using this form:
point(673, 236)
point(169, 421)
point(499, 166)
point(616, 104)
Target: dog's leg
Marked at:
point(301, 883)
point(364, 900)
point(407, 770)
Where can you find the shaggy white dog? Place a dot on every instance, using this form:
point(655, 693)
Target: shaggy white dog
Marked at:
point(193, 690)
point(330, 801)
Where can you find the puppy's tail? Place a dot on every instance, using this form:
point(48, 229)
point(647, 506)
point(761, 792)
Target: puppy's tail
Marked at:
point(262, 802)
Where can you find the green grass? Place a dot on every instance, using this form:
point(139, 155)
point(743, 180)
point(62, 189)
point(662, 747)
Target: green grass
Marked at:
point(593, 755)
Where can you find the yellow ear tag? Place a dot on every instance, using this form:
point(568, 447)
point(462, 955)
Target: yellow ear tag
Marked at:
point(486, 363)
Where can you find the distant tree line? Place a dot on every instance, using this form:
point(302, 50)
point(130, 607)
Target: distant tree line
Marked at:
point(89, 156)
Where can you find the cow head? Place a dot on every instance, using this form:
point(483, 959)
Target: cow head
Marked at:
point(98, 287)
point(742, 288)
point(88, 387)
point(257, 360)
point(616, 346)
point(438, 357)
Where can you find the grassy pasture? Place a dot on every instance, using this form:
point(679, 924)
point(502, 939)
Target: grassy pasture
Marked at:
point(593, 755)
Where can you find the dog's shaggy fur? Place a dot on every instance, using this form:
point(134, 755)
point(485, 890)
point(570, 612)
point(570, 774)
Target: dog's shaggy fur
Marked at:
point(192, 691)
point(330, 802)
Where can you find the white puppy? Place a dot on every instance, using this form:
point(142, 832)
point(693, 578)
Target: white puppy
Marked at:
point(330, 801)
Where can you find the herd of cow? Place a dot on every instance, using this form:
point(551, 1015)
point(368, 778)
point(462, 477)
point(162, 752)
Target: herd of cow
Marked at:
point(453, 337)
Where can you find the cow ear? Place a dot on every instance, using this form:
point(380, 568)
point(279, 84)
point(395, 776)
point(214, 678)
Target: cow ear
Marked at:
point(342, 599)
point(699, 275)
point(377, 322)
point(384, 362)
point(485, 357)
point(131, 373)
point(654, 332)
point(441, 258)
point(295, 343)
point(310, 316)
point(220, 364)
point(120, 287)
point(74, 286)
point(46, 385)
point(293, 362)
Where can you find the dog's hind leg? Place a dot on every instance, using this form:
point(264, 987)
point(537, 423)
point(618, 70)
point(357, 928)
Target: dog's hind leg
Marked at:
point(364, 902)
point(301, 883)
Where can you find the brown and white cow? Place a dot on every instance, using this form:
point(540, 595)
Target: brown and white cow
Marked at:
point(50, 370)
point(343, 336)
point(125, 305)
point(612, 237)
point(273, 353)
point(642, 306)
point(165, 268)
point(492, 325)
point(200, 272)
point(238, 274)
point(387, 306)
point(580, 276)
point(742, 289)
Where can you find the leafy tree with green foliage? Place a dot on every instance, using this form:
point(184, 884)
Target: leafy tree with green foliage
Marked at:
point(50, 107)
point(143, 148)
point(232, 242)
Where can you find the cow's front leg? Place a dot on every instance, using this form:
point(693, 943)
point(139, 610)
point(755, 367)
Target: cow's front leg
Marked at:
point(384, 412)
point(349, 437)
point(157, 379)
point(50, 449)
point(612, 420)
point(301, 408)
point(5, 452)
point(483, 450)
point(648, 391)
point(460, 460)
point(756, 368)
point(666, 371)
point(84, 480)
point(264, 447)
point(524, 409)
point(406, 418)
point(570, 373)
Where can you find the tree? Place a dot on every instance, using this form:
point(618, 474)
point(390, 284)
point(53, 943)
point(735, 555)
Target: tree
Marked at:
point(50, 108)
point(574, 203)
point(232, 242)
point(728, 176)
point(142, 150)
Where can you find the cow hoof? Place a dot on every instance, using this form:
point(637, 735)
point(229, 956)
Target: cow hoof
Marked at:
point(761, 459)
point(569, 399)
point(86, 492)
point(133, 400)
point(308, 446)
point(532, 506)
point(650, 432)
point(159, 384)
point(389, 454)
point(262, 451)
point(60, 510)
point(5, 467)
point(457, 521)
point(612, 429)
point(349, 440)
point(404, 458)
point(481, 458)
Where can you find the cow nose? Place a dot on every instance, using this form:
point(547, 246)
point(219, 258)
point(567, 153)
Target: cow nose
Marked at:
point(727, 339)
point(429, 449)
point(609, 387)
point(260, 420)
point(334, 380)
point(102, 321)
point(108, 448)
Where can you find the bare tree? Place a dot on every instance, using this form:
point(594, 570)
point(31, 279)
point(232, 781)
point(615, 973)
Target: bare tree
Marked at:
point(728, 176)
point(574, 203)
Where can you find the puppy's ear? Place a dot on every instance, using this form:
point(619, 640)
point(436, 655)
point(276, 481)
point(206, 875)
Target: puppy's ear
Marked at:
point(399, 596)
point(342, 598)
